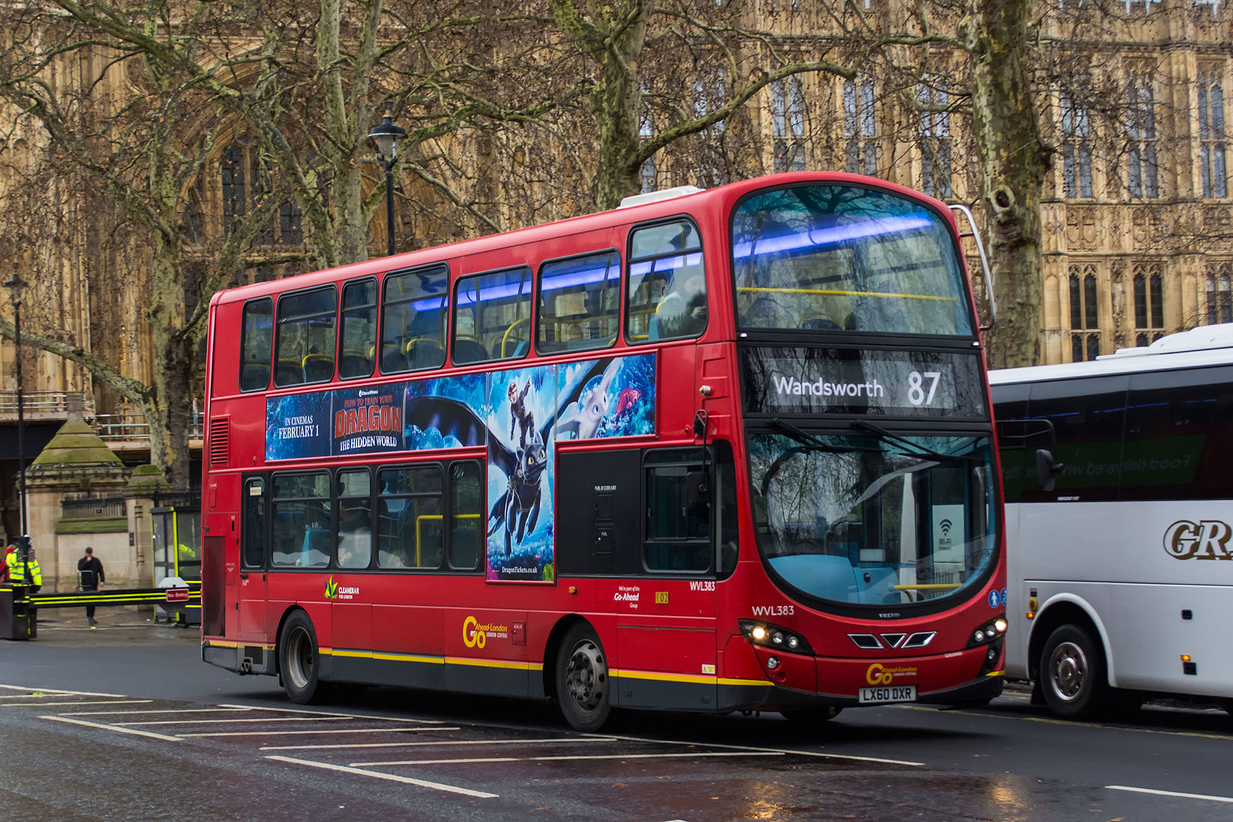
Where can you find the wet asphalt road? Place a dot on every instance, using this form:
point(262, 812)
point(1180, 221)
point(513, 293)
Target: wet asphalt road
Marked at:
point(126, 723)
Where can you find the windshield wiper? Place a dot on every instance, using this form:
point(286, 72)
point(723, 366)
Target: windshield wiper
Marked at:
point(811, 442)
point(919, 450)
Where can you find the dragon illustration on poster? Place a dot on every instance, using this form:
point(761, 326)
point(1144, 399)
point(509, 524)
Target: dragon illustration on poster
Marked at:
point(524, 465)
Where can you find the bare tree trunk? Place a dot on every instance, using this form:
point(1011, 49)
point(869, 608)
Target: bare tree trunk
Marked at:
point(1013, 161)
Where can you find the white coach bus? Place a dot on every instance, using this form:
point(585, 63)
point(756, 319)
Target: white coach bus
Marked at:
point(1120, 576)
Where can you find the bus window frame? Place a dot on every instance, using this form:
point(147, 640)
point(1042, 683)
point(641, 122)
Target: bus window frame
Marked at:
point(442, 495)
point(342, 314)
point(538, 308)
point(278, 333)
point(529, 319)
point(337, 500)
point(446, 309)
point(628, 284)
point(262, 539)
point(688, 457)
point(269, 357)
point(273, 500)
point(447, 509)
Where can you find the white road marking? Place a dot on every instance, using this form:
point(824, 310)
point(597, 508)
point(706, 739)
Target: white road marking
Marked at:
point(420, 744)
point(56, 692)
point(103, 727)
point(437, 786)
point(789, 751)
point(323, 731)
point(335, 713)
point(1175, 794)
point(230, 721)
point(479, 760)
point(76, 704)
point(142, 713)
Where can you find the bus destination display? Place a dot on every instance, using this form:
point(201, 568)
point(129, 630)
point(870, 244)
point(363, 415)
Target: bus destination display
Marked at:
point(781, 380)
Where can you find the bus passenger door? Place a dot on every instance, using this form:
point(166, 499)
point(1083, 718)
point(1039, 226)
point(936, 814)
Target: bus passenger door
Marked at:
point(251, 586)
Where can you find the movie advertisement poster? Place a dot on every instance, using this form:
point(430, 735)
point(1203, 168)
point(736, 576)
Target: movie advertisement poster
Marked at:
point(368, 420)
point(298, 426)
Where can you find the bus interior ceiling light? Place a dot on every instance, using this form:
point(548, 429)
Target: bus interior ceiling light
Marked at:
point(829, 236)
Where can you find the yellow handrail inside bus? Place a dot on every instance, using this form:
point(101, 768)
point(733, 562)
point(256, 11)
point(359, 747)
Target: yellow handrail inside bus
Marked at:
point(419, 536)
point(510, 330)
point(827, 292)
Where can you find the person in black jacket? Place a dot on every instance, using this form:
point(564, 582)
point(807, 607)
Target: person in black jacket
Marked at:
point(92, 578)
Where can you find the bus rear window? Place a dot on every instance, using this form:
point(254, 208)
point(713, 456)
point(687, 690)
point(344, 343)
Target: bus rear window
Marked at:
point(256, 342)
point(306, 323)
point(579, 303)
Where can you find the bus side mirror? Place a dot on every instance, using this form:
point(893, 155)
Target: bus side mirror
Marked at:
point(1047, 469)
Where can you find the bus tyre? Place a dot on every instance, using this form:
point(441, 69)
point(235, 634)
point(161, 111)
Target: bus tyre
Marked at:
point(582, 679)
point(1072, 673)
point(812, 717)
point(298, 659)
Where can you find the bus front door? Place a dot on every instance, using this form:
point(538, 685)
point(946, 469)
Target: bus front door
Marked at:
point(251, 587)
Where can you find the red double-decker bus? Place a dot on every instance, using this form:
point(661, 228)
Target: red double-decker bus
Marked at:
point(717, 450)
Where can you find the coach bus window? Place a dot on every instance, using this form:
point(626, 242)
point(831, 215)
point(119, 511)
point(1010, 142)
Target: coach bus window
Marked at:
point(874, 520)
point(252, 530)
point(466, 516)
point(409, 519)
point(354, 549)
point(492, 316)
point(256, 343)
point(1088, 417)
point(1179, 429)
point(844, 258)
point(413, 320)
point(667, 283)
point(359, 329)
point(305, 347)
point(579, 303)
point(679, 519)
point(301, 517)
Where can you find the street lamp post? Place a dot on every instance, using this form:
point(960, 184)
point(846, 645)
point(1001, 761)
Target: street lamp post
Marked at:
point(16, 286)
point(386, 135)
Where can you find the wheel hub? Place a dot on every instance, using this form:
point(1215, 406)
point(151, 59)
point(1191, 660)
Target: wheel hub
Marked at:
point(1068, 669)
point(586, 676)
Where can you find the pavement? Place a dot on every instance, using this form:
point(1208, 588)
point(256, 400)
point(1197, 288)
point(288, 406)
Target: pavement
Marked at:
point(117, 625)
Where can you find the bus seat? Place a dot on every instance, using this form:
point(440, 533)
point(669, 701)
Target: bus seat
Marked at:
point(288, 372)
point(355, 364)
point(523, 347)
point(469, 351)
point(425, 354)
point(318, 368)
point(392, 359)
point(255, 375)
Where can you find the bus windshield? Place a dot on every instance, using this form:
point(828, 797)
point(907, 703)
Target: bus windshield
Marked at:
point(874, 518)
point(846, 258)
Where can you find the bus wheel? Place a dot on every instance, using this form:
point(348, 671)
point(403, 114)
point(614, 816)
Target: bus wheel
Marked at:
point(1072, 672)
point(299, 661)
point(808, 717)
point(582, 679)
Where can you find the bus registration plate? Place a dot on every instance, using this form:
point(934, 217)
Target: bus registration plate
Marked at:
point(890, 693)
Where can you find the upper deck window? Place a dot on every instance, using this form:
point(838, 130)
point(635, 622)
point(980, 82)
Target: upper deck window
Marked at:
point(413, 319)
point(667, 283)
point(305, 348)
point(579, 302)
point(359, 329)
point(256, 342)
point(845, 258)
point(492, 316)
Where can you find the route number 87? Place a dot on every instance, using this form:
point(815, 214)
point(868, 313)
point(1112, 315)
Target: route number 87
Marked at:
point(916, 387)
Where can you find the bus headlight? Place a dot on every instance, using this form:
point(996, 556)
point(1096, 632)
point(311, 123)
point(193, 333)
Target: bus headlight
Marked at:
point(772, 636)
point(988, 632)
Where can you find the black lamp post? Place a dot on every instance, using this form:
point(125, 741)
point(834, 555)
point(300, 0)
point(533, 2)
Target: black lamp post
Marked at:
point(386, 135)
point(16, 286)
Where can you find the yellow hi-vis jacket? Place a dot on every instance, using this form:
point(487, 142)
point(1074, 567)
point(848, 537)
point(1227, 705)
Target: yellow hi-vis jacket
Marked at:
point(18, 569)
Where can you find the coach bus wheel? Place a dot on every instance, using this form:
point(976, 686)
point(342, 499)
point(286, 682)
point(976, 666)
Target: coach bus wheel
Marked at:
point(1072, 672)
point(582, 679)
point(299, 660)
point(807, 717)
